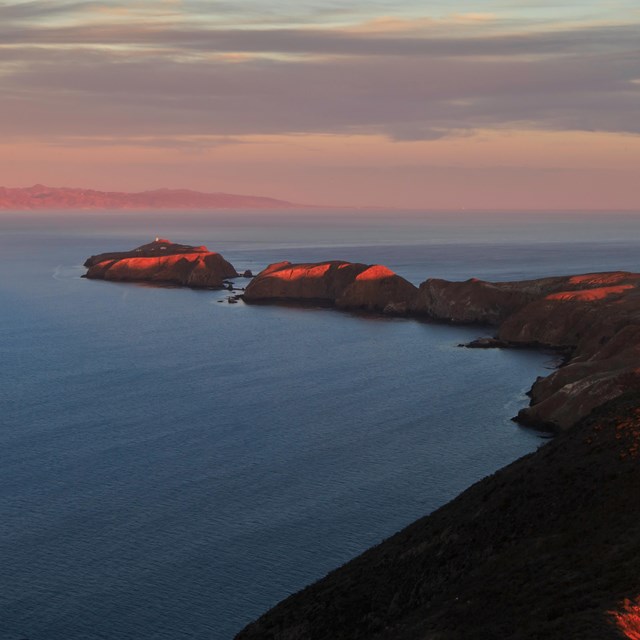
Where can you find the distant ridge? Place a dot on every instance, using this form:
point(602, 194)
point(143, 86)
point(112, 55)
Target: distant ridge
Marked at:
point(42, 197)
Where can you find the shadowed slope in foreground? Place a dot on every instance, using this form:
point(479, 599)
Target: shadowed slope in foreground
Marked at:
point(548, 547)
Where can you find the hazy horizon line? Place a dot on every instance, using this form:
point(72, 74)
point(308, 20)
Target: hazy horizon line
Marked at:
point(332, 207)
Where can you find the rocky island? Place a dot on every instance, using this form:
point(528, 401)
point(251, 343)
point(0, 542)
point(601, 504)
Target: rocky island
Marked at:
point(162, 262)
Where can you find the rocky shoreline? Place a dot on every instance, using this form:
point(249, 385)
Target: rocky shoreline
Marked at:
point(548, 547)
point(592, 319)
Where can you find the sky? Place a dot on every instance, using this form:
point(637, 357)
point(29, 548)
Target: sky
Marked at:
point(470, 104)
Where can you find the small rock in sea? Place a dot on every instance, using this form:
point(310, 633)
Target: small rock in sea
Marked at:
point(485, 343)
point(247, 274)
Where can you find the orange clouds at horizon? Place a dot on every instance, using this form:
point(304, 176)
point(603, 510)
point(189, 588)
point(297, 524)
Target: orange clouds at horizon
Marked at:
point(407, 104)
point(487, 170)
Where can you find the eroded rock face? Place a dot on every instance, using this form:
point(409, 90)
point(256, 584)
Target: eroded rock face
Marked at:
point(162, 261)
point(595, 317)
point(55, 198)
point(476, 301)
point(346, 285)
point(600, 323)
point(581, 313)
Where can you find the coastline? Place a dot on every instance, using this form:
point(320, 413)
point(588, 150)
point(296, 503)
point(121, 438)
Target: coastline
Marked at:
point(545, 547)
point(593, 320)
point(382, 595)
point(394, 614)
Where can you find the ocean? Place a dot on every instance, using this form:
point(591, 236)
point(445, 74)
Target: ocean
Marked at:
point(173, 465)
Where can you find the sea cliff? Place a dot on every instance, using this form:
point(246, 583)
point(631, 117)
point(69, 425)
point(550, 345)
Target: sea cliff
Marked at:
point(346, 285)
point(593, 319)
point(548, 546)
point(41, 197)
point(162, 261)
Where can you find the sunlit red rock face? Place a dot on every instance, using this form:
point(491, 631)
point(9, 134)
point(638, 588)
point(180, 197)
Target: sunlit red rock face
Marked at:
point(162, 261)
point(476, 301)
point(346, 285)
point(548, 547)
point(593, 317)
point(627, 618)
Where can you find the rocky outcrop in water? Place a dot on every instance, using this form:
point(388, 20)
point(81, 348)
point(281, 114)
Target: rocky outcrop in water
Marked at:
point(594, 319)
point(346, 285)
point(162, 261)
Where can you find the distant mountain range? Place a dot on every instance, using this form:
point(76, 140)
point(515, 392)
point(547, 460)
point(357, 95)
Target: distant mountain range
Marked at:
point(42, 197)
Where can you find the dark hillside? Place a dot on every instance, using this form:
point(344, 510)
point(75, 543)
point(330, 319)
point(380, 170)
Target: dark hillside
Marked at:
point(548, 547)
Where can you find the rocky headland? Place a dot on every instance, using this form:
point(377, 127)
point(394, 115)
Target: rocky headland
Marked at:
point(548, 547)
point(162, 262)
point(592, 319)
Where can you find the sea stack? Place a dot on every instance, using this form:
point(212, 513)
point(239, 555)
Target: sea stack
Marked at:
point(163, 261)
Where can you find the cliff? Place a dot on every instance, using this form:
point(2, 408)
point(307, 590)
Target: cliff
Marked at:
point(548, 547)
point(164, 262)
point(545, 548)
point(346, 285)
point(594, 318)
point(42, 197)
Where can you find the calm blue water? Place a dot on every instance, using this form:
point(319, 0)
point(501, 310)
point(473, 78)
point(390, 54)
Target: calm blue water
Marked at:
point(172, 466)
